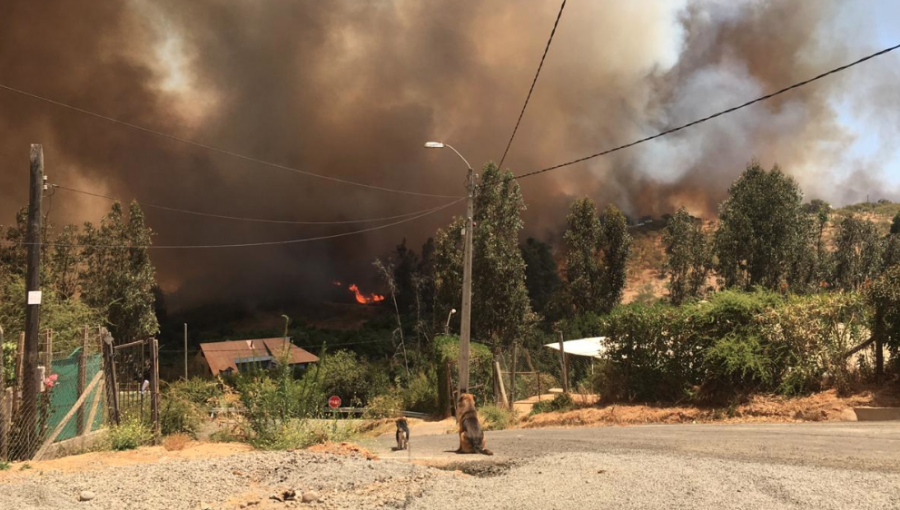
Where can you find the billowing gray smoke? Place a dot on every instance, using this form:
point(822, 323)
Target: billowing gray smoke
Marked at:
point(352, 89)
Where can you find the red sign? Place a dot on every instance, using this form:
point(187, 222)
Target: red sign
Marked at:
point(334, 402)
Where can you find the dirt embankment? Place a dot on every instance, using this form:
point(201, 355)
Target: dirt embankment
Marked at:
point(825, 406)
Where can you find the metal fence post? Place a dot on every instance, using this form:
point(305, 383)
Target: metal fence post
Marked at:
point(154, 388)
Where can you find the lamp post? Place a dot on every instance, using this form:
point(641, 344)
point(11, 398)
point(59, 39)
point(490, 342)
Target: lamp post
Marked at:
point(446, 326)
point(466, 317)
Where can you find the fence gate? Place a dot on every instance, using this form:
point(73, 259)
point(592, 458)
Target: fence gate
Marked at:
point(134, 383)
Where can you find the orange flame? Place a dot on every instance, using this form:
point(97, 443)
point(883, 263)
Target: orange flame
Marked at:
point(363, 299)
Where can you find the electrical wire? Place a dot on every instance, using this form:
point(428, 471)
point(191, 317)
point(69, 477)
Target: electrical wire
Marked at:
point(533, 82)
point(713, 116)
point(249, 245)
point(220, 150)
point(240, 218)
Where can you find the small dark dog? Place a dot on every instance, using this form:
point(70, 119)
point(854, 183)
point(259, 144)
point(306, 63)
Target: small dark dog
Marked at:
point(402, 434)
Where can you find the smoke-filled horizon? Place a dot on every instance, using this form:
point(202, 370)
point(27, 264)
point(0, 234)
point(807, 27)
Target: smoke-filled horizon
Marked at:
point(352, 90)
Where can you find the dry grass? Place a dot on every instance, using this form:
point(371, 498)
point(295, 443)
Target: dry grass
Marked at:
point(344, 449)
point(825, 406)
point(176, 442)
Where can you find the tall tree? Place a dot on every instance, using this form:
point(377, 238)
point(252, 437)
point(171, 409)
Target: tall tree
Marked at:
point(762, 228)
point(501, 313)
point(582, 258)
point(597, 249)
point(405, 263)
point(687, 257)
point(118, 277)
point(858, 253)
point(541, 274)
point(614, 250)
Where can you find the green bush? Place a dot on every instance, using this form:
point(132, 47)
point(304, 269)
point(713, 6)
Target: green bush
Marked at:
point(129, 435)
point(421, 394)
point(297, 434)
point(178, 416)
point(388, 405)
point(200, 392)
point(560, 403)
point(496, 418)
point(4, 465)
point(737, 364)
point(354, 380)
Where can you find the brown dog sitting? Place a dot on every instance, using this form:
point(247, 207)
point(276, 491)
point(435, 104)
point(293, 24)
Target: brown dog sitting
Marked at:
point(471, 437)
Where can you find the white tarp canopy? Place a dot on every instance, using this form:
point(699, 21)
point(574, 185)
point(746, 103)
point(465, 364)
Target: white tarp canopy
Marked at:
point(590, 347)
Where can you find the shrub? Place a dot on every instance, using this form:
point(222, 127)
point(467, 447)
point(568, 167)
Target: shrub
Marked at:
point(560, 403)
point(388, 405)
point(297, 434)
point(421, 393)
point(354, 380)
point(176, 442)
point(178, 416)
point(737, 364)
point(129, 435)
point(200, 392)
point(496, 418)
point(4, 465)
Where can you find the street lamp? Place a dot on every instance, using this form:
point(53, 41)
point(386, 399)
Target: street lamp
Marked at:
point(465, 324)
point(446, 326)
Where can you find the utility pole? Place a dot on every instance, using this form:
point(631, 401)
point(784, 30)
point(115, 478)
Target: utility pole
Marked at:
point(33, 299)
point(465, 326)
point(185, 353)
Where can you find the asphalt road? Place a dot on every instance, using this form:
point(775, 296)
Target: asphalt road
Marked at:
point(821, 465)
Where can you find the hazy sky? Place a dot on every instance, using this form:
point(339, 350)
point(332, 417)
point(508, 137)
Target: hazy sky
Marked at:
point(351, 89)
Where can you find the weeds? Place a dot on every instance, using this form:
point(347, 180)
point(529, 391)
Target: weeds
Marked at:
point(560, 403)
point(497, 418)
point(129, 435)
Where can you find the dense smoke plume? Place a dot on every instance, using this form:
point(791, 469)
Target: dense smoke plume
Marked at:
point(352, 90)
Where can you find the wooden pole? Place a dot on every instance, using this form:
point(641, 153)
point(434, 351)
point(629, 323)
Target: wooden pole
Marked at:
point(67, 417)
point(17, 386)
point(503, 400)
point(465, 326)
point(185, 352)
point(48, 362)
point(562, 364)
point(28, 416)
point(82, 379)
point(512, 376)
point(6, 400)
point(4, 410)
point(112, 390)
point(154, 388)
point(95, 406)
point(537, 375)
point(449, 378)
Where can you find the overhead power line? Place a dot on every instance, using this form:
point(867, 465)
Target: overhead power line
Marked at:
point(713, 116)
point(249, 245)
point(220, 150)
point(240, 218)
point(533, 82)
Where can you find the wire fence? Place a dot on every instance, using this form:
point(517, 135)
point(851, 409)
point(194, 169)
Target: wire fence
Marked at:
point(68, 401)
point(521, 377)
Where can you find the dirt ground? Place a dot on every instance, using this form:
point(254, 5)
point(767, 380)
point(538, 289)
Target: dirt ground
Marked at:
point(825, 406)
point(96, 461)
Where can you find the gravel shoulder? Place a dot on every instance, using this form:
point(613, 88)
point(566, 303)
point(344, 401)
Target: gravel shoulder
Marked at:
point(854, 465)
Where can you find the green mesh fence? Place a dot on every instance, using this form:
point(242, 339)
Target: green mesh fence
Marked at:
point(64, 394)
